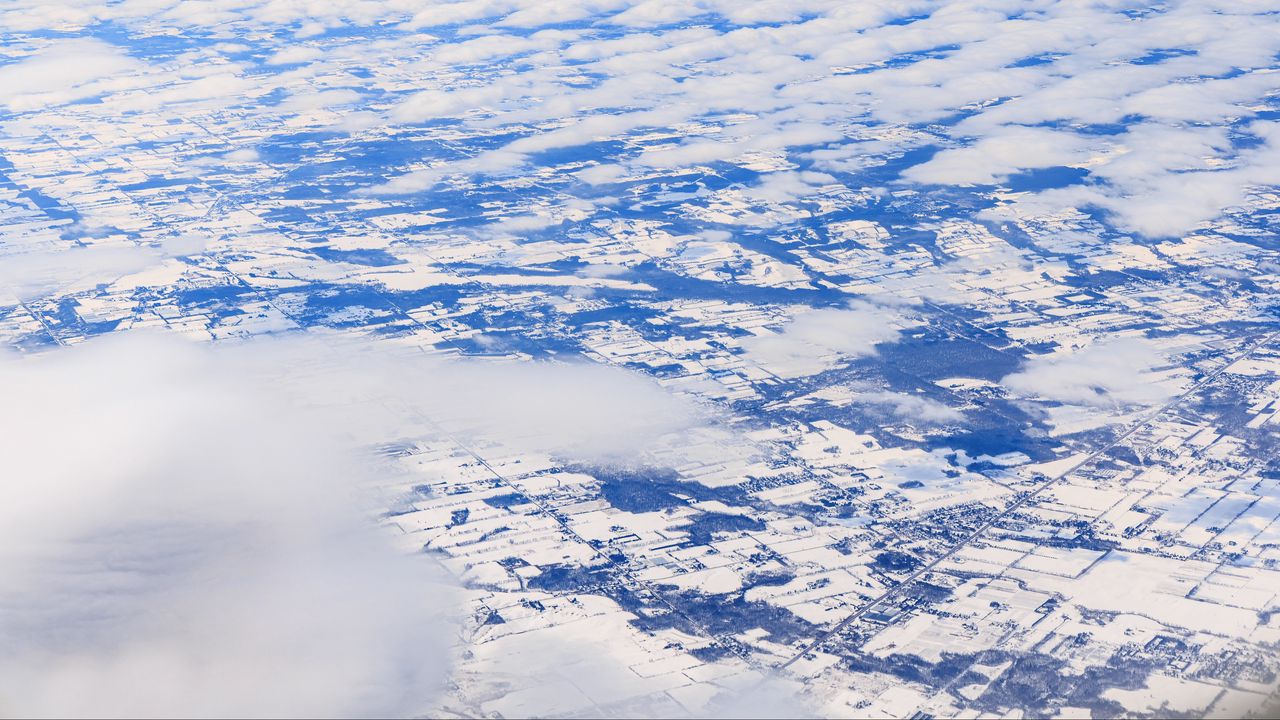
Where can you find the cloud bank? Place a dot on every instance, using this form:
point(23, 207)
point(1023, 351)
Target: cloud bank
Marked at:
point(187, 530)
point(179, 538)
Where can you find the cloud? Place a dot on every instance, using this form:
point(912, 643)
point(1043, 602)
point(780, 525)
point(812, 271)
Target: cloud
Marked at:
point(61, 72)
point(39, 273)
point(295, 55)
point(1107, 374)
point(1171, 140)
point(188, 530)
point(1001, 92)
point(770, 696)
point(1180, 178)
point(431, 104)
point(603, 270)
point(559, 670)
point(493, 162)
point(912, 407)
point(997, 156)
point(452, 13)
point(577, 411)
point(180, 538)
point(785, 187)
point(818, 340)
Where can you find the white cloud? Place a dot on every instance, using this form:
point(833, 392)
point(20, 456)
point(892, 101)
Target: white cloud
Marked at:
point(579, 411)
point(180, 538)
point(493, 162)
point(295, 55)
point(767, 77)
point(782, 77)
point(761, 697)
point(30, 273)
point(818, 340)
point(61, 72)
point(1166, 181)
point(1109, 374)
point(187, 530)
point(785, 187)
point(563, 669)
point(603, 270)
point(1014, 88)
point(430, 104)
point(451, 13)
point(997, 156)
point(911, 407)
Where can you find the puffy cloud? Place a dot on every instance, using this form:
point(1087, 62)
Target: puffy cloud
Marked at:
point(1166, 181)
point(187, 530)
point(64, 71)
point(297, 54)
point(912, 408)
point(454, 13)
point(818, 340)
point(1000, 89)
point(178, 537)
point(1015, 88)
point(784, 187)
point(997, 156)
point(430, 104)
point(577, 411)
point(1115, 373)
point(325, 99)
